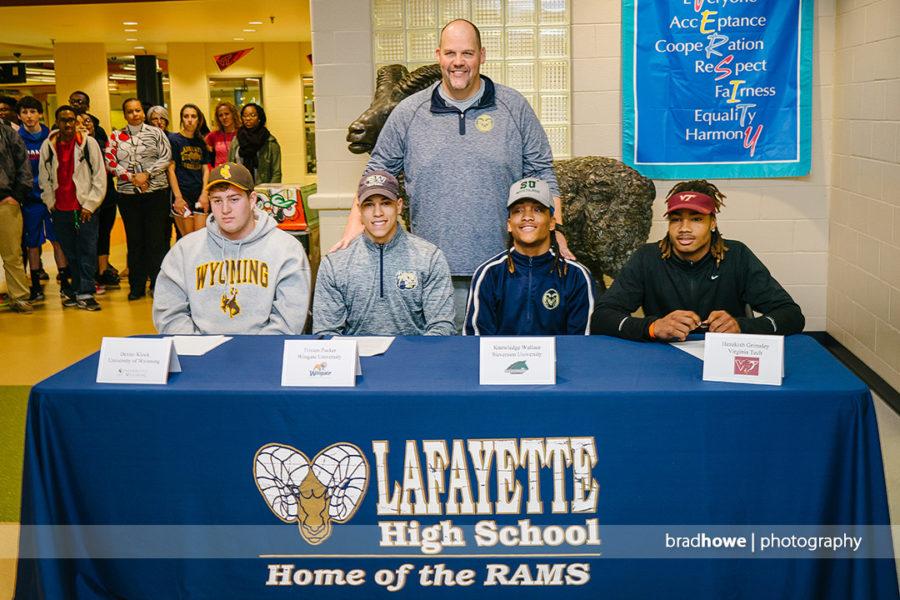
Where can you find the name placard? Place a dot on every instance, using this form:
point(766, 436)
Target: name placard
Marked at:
point(743, 358)
point(137, 360)
point(320, 363)
point(517, 361)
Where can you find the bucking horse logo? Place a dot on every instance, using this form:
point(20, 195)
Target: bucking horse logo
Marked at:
point(229, 304)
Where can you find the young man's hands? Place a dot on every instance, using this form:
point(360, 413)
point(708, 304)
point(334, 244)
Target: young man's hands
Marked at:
point(676, 325)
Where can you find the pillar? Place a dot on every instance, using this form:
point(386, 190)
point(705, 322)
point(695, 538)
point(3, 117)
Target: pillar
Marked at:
point(344, 82)
point(188, 81)
point(83, 67)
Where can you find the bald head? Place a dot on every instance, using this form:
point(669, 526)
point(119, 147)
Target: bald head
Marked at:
point(462, 25)
point(460, 57)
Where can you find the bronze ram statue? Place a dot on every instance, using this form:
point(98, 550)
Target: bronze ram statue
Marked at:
point(607, 204)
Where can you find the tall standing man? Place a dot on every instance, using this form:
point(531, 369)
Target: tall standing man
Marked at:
point(460, 144)
point(15, 183)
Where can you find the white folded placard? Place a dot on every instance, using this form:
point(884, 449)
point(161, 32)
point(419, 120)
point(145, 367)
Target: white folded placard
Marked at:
point(744, 358)
point(197, 345)
point(136, 360)
point(518, 361)
point(320, 363)
point(373, 345)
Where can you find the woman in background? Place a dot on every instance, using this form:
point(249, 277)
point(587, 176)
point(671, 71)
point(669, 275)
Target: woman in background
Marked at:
point(139, 156)
point(189, 170)
point(227, 122)
point(256, 148)
point(158, 116)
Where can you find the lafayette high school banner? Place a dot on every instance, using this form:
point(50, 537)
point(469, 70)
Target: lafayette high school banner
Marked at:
point(717, 88)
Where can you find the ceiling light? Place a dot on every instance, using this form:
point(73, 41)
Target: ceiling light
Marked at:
point(131, 30)
point(130, 23)
point(139, 48)
point(131, 39)
point(249, 31)
point(254, 22)
point(238, 39)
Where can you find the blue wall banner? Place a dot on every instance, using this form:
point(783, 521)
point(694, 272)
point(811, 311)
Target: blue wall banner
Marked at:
point(717, 88)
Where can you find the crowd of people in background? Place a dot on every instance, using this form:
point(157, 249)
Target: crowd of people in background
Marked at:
point(63, 180)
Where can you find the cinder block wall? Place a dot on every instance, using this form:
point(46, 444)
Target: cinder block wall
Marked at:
point(864, 228)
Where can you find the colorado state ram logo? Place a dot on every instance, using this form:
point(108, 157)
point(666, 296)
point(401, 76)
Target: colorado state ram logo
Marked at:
point(312, 494)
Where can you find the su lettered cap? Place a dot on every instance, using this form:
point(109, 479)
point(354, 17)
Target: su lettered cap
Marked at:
point(530, 188)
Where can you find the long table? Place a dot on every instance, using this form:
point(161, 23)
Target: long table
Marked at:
point(627, 479)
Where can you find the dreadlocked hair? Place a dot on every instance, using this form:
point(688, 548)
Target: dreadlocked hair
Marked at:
point(559, 263)
point(717, 245)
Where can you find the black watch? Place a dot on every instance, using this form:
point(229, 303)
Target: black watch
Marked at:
point(559, 228)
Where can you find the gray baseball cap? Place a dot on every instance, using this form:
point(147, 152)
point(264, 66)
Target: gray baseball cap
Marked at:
point(530, 188)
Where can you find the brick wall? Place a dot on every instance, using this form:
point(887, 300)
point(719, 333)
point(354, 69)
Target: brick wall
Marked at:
point(864, 228)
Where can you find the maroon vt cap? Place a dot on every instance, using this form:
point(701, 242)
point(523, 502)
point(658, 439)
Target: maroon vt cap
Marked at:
point(691, 201)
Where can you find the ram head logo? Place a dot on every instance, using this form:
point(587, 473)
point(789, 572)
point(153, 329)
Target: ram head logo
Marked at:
point(312, 494)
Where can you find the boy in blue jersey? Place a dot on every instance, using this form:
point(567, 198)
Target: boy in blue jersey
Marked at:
point(530, 289)
point(37, 223)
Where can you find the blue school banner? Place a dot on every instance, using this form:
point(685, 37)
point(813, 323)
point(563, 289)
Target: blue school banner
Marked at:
point(717, 88)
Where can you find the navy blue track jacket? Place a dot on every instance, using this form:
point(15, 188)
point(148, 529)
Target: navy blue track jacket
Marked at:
point(533, 300)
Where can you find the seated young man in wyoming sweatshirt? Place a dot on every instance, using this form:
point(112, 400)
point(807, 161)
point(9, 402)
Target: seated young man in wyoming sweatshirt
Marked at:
point(240, 274)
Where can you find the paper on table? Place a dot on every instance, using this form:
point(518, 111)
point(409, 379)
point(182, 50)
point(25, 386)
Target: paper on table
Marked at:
point(373, 345)
point(692, 347)
point(197, 345)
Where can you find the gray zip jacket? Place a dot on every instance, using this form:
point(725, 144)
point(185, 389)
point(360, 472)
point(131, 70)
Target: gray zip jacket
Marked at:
point(211, 284)
point(458, 167)
point(402, 287)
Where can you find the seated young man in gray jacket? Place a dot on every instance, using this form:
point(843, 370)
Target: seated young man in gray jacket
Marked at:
point(387, 281)
point(239, 274)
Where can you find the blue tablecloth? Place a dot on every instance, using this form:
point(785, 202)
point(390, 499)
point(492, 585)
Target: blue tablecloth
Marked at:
point(673, 453)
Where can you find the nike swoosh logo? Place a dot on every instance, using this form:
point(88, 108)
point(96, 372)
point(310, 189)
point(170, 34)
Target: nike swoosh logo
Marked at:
point(714, 277)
